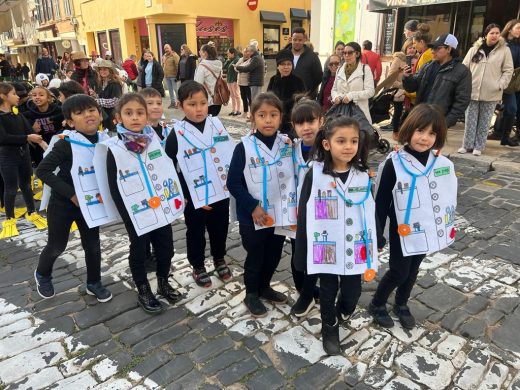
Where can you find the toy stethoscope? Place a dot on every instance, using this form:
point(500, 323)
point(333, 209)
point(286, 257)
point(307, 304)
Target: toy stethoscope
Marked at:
point(370, 273)
point(203, 153)
point(299, 167)
point(154, 201)
point(404, 228)
point(266, 164)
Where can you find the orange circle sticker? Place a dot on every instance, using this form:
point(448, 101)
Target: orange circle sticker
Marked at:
point(369, 275)
point(154, 202)
point(269, 221)
point(404, 230)
point(293, 228)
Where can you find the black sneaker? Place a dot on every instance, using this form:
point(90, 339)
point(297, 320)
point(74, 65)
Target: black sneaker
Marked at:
point(406, 318)
point(273, 296)
point(165, 290)
point(255, 305)
point(99, 291)
point(330, 339)
point(380, 315)
point(302, 307)
point(147, 300)
point(44, 285)
point(343, 317)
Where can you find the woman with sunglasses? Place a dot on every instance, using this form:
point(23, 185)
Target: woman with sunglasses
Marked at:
point(324, 98)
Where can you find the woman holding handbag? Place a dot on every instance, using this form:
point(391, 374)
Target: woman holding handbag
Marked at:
point(210, 67)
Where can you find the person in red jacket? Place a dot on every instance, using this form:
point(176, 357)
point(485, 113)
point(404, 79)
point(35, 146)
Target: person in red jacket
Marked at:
point(131, 68)
point(373, 60)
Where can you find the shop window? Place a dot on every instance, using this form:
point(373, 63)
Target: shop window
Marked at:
point(219, 31)
point(173, 34)
point(295, 24)
point(115, 44)
point(67, 7)
point(103, 43)
point(271, 40)
point(56, 8)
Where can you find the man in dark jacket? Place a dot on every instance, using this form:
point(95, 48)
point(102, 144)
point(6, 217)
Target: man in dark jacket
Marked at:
point(444, 81)
point(46, 64)
point(255, 70)
point(307, 65)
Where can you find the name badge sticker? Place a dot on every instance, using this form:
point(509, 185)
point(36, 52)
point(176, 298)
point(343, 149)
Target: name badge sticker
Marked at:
point(443, 171)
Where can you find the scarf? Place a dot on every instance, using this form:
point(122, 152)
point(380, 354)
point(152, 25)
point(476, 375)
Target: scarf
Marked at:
point(349, 69)
point(135, 142)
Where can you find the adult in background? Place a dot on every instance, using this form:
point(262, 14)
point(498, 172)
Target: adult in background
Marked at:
point(353, 82)
point(255, 68)
point(511, 101)
point(491, 67)
point(93, 57)
point(243, 83)
point(338, 50)
point(410, 28)
point(206, 74)
point(65, 65)
point(46, 64)
point(131, 69)
point(187, 64)
point(231, 79)
point(25, 71)
point(152, 74)
point(109, 90)
point(444, 81)
point(83, 73)
point(324, 98)
point(285, 84)
point(307, 65)
point(373, 60)
point(170, 64)
point(5, 66)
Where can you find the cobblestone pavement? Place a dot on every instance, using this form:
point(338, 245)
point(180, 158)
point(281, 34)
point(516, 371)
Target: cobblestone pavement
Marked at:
point(466, 302)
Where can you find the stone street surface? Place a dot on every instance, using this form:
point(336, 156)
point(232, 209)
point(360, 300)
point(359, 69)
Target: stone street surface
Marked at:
point(466, 302)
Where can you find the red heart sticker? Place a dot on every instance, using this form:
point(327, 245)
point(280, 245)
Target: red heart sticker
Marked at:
point(177, 203)
point(452, 233)
point(363, 253)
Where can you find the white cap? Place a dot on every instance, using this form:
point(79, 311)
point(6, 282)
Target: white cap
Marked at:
point(123, 74)
point(55, 83)
point(40, 77)
point(445, 40)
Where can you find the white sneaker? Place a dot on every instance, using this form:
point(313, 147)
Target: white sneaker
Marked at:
point(462, 150)
point(477, 152)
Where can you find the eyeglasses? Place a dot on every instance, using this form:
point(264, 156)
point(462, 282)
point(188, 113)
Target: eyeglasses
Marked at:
point(348, 52)
point(333, 63)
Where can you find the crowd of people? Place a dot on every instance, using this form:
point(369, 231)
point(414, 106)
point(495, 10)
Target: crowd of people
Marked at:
point(105, 153)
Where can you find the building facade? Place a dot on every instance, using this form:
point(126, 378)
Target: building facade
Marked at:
point(131, 27)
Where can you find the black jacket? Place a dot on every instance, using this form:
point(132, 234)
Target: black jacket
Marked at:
point(285, 88)
point(308, 68)
point(51, 121)
point(79, 76)
point(255, 70)
point(157, 76)
point(191, 65)
point(46, 65)
point(14, 130)
point(451, 88)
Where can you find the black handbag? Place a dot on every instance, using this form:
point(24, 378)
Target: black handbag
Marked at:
point(352, 110)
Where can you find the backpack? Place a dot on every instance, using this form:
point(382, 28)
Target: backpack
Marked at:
point(221, 93)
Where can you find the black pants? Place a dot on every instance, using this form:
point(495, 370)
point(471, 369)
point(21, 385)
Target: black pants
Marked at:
point(350, 291)
point(303, 282)
point(59, 218)
point(402, 274)
point(162, 242)
point(17, 173)
point(264, 250)
point(216, 221)
point(245, 94)
point(396, 118)
point(214, 109)
point(1, 190)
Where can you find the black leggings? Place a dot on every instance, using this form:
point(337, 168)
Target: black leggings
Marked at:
point(214, 109)
point(59, 218)
point(349, 287)
point(245, 94)
point(1, 190)
point(17, 174)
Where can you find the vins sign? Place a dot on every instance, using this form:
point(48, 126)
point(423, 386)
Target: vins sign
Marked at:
point(252, 4)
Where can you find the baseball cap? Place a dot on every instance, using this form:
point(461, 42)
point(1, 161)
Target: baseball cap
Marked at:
point(445, 40)
point(40, 77)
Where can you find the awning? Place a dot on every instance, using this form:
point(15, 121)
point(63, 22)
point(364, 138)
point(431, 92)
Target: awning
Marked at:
point(386, 5)
point(26, 45)
point(269, 16)
point(298, 13)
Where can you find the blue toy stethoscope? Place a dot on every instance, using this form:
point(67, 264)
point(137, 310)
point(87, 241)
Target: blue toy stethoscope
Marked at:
point(203, 153)
point(404, 228)
point(299, 166)
point(265, 202)
point(370, 273)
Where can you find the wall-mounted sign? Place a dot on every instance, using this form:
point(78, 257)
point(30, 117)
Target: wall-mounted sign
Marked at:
point(212, 27)
point(252, 4)
point(66, 44)
point(285, 31)
point(147, 3)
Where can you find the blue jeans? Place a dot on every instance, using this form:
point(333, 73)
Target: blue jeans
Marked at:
point(171, 84)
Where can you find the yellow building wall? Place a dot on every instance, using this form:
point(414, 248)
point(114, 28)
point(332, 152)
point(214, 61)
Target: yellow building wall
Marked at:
point(101, 15)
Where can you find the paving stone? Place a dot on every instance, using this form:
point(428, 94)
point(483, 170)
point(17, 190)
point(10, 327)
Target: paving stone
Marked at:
point(495, 377)
point(224, 360)
point(464, 279)
point(442, 298)
point(213, 330)
point(172, 371)
point(152, 363)
point(515, 383)
point(400, 383)
point(492, 316)
point(407, 336)
point(159, 339)
point(450, 346)
point(454, 319)
point(377, 376)
point(352, 343)
point(114, 384)
point(265, 376)
point(138, 332)
point(506, 335)
point(40, 380)
point(420, 311)
point(506, 304)
point(212, 348)
point(83, 380)
point(355, 374)
point(290, 364)
point(207, 301)
point(388, 356)
point(76, 365)
point(376, 342)
point(127, 320)
point(237, 371)
point(476, 304)
point(186, 344)
point(191, 380)
point(100, 313)
point(473, 329)
point(503, 251)
point(338, 386)
point(427, 281)
point(300, 343)
point(317, 376)
point(340, 363)
point(425, 367)
point(108, 367)
point(88, 338)
point(491, 289)
point(28, 362)
point(471, 373)
point(432, 339)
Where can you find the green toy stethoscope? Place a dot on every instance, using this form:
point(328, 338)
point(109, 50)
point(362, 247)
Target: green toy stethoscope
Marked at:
point(370, 273)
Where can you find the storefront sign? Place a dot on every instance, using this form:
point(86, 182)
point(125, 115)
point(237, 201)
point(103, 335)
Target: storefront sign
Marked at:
point(285, 31)
point(252, 4)
point(211, 27)
point(380, 5)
